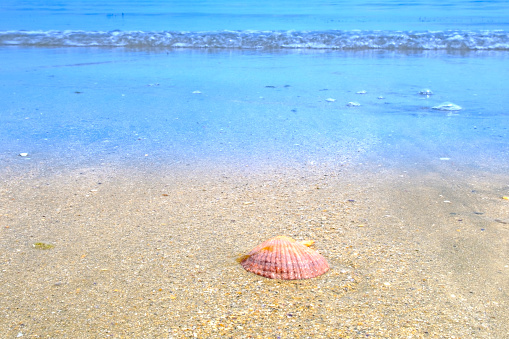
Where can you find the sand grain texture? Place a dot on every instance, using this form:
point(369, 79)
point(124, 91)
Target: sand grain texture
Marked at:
point(143, 255)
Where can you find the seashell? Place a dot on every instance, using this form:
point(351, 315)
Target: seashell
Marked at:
point(353, 104)
point(447, 106)
point(284, 258)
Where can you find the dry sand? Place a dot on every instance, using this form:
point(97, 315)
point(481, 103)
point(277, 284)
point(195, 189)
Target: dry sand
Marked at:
point(145, 253)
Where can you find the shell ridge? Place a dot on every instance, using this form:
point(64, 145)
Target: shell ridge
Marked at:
point(297, 264)
point(276, 261)
point(267, 265)
point(264, 260)
point(308, 258)
point(290, 264)
point(283, 256)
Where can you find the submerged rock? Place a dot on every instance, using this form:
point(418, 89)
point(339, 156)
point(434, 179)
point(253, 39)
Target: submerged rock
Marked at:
point(425, 91)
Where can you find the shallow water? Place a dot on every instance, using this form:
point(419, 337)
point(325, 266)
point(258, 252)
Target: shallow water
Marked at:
point(64, 105)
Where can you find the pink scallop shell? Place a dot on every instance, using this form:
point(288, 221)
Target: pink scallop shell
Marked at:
point(284, 258)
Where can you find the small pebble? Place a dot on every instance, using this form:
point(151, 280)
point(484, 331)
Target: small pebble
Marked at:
point(23, 154)
point(196, 92)
point(362, 92)
point(330, 100)
point(425, 92)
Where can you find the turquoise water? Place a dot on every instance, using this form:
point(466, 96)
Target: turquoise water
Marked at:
point(160, 15)
point(254, 83)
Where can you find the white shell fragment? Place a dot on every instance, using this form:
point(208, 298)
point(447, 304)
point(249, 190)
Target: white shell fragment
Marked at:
point(330, 100)
point(425, 91)
point(353, 104)
point(196, 92)
point(447, 106)
point(362, 92)
point(23, 154)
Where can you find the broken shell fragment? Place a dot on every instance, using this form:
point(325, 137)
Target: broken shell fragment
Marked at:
point(353, 104)
point(284, 258)
point(307, 242)
point(447, 106)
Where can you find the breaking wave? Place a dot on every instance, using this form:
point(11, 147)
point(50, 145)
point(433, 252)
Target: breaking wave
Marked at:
point(458, 40)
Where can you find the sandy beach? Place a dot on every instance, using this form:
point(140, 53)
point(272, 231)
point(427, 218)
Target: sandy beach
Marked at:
point(152, 252)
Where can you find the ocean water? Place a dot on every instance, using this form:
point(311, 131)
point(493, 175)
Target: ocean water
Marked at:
point(246, 83)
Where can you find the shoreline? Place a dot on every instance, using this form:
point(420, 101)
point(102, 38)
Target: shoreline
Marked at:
point(149, 253)
point(146, 193)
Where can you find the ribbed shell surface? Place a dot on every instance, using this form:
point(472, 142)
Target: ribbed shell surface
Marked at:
point(284, 258)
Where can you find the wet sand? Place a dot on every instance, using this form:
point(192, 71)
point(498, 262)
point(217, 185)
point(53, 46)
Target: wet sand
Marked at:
point(152, 252)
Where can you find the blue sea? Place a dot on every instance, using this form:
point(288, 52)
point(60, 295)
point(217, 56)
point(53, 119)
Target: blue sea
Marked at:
point(254, 82)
